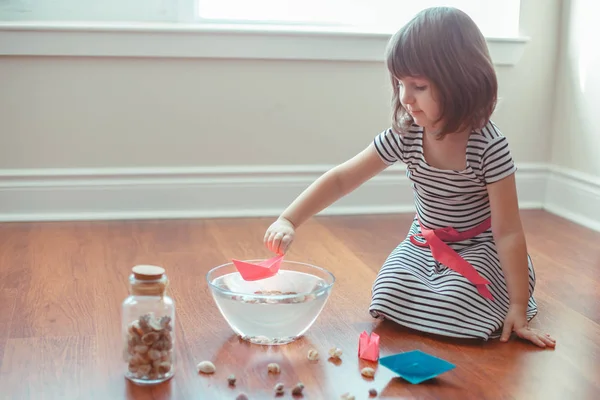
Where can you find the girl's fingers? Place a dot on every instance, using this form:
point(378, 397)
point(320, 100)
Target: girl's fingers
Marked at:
point(285, 243)
point(536, 340)
point(548, 341)
point(543, 340)
point(530, 335)
point(277, 242)
point(506, 331)
point(272, 241)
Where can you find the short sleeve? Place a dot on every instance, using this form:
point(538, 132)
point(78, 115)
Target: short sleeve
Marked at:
point(389, 146)
point(497, 161)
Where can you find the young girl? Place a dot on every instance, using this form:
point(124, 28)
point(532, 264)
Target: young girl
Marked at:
point(463, 269)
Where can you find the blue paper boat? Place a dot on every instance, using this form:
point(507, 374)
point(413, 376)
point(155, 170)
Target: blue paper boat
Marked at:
point(416, 366)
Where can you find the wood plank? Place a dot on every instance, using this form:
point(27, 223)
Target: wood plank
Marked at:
point(66, 343)
point(15, 263)
point(8, 299)
point(57, 299)
point(49, 368)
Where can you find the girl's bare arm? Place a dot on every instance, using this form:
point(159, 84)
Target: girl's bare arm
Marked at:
point(333, 185)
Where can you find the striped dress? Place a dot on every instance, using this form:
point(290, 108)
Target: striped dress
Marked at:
point(412, 288)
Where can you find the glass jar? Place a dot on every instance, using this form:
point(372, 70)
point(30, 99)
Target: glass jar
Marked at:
point(148, 322)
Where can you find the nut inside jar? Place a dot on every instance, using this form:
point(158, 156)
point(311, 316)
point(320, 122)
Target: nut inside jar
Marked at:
point(149, 344)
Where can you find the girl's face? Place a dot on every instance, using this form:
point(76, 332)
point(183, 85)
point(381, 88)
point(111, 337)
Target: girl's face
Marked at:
point(417, 96)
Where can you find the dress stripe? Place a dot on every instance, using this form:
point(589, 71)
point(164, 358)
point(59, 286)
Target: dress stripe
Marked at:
point(415, 290)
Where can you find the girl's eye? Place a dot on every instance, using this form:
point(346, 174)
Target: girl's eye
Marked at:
point(421, 87)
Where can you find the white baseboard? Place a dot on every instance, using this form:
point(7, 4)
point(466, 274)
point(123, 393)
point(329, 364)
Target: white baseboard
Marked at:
point(161, 193)
point(574, 196)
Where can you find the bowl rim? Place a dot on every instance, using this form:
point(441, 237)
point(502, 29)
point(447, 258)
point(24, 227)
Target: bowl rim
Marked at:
point(265, 296)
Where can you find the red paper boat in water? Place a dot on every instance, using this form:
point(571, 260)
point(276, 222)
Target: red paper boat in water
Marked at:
point(262, 270)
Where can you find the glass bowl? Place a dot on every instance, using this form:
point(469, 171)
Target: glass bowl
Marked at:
point(275, 310)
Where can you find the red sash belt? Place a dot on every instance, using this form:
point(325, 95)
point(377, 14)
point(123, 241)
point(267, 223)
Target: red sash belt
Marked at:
point(446, 255)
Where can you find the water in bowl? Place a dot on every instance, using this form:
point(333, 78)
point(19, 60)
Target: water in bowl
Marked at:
point(276, 310)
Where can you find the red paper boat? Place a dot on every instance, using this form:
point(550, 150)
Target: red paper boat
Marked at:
point(262, 270)
point(368, 346)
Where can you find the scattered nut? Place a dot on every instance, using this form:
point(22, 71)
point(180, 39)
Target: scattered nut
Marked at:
point(313, 355)
point(274, 368)
point(297, 390)
point(368, 372)
point(335, 352)
point(348, 396)
point(279, 389)
point(148, 347)
point(231, 380)
point(241, 396)
point(372, 392)
point(206, 367)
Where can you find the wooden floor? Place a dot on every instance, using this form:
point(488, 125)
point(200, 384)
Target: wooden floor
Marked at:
point(62, 284)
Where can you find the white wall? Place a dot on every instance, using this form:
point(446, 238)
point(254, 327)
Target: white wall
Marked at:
point(129, 112)
point(576, 139)
point(573, 186)
point(157, 112)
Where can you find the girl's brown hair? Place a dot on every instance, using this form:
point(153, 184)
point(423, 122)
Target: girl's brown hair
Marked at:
point(444, 45)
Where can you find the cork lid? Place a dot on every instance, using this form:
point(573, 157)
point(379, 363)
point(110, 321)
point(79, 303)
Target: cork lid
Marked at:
point(148, 272)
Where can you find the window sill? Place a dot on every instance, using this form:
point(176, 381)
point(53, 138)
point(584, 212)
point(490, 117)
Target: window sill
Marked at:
point(211, 41)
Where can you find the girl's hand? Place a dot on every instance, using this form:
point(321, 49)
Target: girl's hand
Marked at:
point(279, 236)
point(516, 320)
